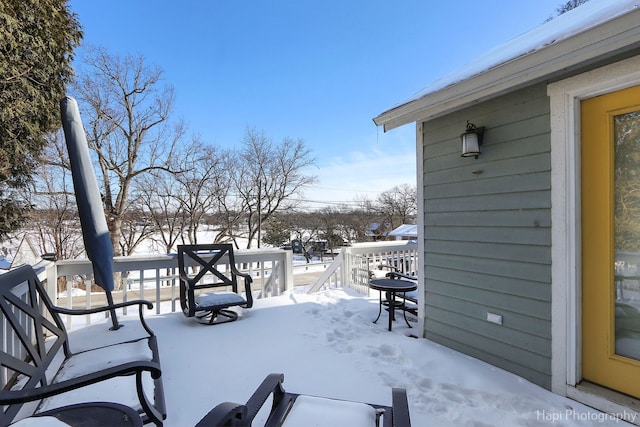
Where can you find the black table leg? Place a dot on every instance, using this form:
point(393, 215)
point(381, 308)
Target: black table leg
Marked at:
point(391, 297)
point(379, 307)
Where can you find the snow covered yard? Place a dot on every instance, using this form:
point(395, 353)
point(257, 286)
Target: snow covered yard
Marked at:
point(326, 344)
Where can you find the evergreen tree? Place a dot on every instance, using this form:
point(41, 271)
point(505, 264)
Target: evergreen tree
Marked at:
point(571, 4)
point(37, 40)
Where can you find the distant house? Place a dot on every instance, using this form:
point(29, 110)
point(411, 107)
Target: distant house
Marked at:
point(5, 264)
point(523, 267)
point(404, 232)
point(25, 253)
point(378, 231)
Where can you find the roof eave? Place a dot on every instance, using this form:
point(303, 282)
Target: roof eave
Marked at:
point(591, 46)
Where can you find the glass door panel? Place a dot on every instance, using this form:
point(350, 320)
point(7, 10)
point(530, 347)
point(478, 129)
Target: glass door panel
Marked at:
point(626, 139)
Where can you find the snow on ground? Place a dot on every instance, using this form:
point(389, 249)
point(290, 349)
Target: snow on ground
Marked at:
point(326, 344)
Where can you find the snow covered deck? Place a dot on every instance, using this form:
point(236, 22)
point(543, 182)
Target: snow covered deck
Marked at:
point(326, 344)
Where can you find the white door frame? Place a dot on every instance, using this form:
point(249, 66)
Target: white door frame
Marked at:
point(565, 96)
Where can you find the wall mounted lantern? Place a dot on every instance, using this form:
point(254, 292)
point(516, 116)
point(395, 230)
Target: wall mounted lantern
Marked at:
point(471, 140)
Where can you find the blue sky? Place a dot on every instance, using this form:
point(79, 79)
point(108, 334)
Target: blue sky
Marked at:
point(319, 70)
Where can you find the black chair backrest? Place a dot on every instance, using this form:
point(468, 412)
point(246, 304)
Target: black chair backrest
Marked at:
point(207, 260)
point(26, 319)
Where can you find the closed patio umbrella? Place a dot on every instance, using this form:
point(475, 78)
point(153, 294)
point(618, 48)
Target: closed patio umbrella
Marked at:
point(95, 233)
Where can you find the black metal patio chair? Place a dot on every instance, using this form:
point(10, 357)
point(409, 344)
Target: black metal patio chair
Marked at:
point(410, 299)
point(298, 410)
point(209, 283)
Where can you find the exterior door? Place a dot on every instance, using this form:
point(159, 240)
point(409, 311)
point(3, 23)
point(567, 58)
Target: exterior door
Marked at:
point(610, 165)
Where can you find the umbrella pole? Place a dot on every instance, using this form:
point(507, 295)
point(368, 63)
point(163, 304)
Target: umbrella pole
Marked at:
point(114, 319)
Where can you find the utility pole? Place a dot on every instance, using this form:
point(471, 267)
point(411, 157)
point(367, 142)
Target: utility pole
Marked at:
point(259, 211)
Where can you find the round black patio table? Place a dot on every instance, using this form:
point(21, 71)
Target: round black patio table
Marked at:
point(392, 287)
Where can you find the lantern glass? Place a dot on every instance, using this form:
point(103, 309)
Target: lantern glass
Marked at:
point(470, 144)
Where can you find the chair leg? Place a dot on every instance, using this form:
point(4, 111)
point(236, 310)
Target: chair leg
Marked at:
point(379, 412)
point(404, 308)
point(215, 317)
point(400, 404)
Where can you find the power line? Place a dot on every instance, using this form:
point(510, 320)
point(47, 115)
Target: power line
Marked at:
point(351, 190)
point(330, 202)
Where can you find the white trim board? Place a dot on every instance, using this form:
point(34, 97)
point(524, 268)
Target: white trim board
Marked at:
point(420, 222)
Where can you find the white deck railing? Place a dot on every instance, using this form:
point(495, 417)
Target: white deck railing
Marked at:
point(154, 277)
point(355, 265)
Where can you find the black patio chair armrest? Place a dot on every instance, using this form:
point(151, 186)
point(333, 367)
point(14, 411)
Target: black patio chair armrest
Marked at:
point(182, 275)
point(398, 275)
point(226, 414)
point(75, 311)
point(234, 270)
point(271, 385)
point(229, 414)
point(387, 266)
point(79, 312)
point(248, 280)
point(247, 277)
point(8, 397)
point(400, 408)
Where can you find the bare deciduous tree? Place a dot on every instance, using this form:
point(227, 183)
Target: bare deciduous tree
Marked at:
point(179, 203)
point(126, 112)
point(360, 218)
point(56, 218)
point(156, 195)
point(263, 177)
point(398, 205)
point(201, 185)
point(331, 228)
point(135, 227)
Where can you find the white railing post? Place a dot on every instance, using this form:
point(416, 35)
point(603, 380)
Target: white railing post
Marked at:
point(347, 266)
point(52, 280)
point(287, 271)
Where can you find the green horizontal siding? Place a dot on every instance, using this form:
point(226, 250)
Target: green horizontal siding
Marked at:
point(480, 301)
point(504, 218)
point(464, 275)
point(497, 251)
point(488, 234)
point(490, 352)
